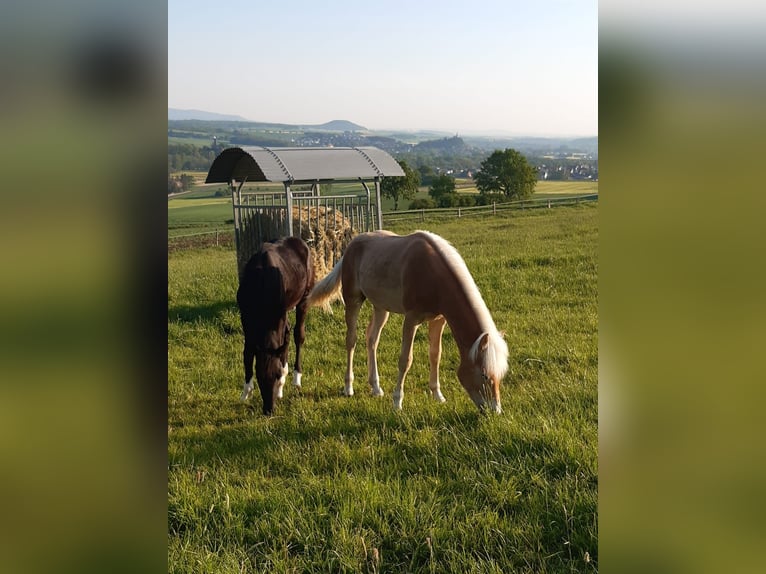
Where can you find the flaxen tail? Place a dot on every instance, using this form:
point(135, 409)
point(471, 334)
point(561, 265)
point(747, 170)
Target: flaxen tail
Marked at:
point(328, 289)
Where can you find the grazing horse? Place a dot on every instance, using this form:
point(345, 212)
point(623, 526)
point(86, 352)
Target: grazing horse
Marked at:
point(424, 278)
point(276, 279)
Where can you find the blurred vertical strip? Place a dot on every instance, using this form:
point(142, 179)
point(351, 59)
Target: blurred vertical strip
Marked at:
point(682, 90)
point(83, 101)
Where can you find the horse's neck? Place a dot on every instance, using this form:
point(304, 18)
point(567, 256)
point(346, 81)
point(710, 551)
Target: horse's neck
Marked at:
point(463, 321)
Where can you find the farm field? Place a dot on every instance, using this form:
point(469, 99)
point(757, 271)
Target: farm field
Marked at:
point(339, 484)
point(554, 188)
point(188, 214)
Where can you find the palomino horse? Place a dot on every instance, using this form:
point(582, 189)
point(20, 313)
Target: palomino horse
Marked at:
point(277, 279)
point(424, 278)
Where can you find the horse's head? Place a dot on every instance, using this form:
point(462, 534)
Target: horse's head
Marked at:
point(271, 363)
point(482, 370)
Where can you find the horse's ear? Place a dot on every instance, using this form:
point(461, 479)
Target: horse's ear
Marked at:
point(502, 334)
point(484, 342)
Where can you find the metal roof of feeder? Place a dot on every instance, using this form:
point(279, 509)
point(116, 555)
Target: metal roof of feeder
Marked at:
point(301, 164)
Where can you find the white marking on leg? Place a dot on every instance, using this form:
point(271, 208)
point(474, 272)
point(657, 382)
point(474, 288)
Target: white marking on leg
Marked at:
point(247, 390)
point(281, 383)
point(376, 390)
point(398, 396)
point(297, 380)
point(349, 388)
point(285, 369)
point(436, 391)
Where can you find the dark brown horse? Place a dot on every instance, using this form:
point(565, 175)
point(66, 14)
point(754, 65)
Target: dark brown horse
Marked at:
point(276, 279)
point(424, 278)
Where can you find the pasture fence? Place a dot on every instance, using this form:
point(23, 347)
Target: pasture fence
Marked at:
point(490, 209)
point(225, 237)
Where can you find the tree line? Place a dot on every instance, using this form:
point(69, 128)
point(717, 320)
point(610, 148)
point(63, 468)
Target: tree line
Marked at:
point(188, 157)
point(505, 175)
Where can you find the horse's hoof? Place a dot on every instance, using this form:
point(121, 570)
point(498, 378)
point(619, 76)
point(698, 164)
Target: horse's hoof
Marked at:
point(377, 392)
point(247, 392)
point(297, 380)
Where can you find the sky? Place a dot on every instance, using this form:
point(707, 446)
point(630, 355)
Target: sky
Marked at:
point(489, 67)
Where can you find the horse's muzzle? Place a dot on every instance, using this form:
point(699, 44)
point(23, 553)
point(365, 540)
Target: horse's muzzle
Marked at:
point(491, 406)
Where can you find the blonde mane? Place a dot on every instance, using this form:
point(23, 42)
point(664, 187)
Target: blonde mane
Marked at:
point(496, 355)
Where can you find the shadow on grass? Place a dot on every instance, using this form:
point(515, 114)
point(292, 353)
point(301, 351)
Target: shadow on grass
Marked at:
point(207, 313)
point(234, 431)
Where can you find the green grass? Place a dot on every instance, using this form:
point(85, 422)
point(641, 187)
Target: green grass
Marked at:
point(337, 484)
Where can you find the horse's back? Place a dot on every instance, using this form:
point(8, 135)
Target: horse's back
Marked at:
point(393, 272)
point(290, 258)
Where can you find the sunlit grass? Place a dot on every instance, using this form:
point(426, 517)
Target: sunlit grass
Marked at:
point(337, 484)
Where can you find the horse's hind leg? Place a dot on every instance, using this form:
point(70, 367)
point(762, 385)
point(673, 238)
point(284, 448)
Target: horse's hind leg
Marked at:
point(299, 336)
point(435, 330)
point(352, 314)
point(405, 358)
point(379, 318)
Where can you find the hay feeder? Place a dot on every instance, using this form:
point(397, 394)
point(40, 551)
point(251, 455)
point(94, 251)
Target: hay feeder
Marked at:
point(327, 221)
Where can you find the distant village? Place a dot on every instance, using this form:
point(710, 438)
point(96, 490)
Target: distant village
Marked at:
point(554, 159)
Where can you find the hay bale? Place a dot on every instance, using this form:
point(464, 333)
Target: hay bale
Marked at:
point(326, 231)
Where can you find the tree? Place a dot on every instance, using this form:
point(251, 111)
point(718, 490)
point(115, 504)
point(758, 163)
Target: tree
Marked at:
point(174, 186)
point(506, 172)
point(442, 185)
point(426, 173)
point(424, 203)
point(401, 187)
point(443, 191)
point(187, 181)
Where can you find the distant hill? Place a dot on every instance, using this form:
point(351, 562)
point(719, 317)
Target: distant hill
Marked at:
point(176, 114)
point(338, 126)
point(446, 145)
point(332, 126)
point(536, 144)
point(590, 144)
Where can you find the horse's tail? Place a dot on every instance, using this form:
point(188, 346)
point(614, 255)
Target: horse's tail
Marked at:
point(328, 289)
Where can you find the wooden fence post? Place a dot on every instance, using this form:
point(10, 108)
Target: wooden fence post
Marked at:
point(494, 208)
point(458, 213)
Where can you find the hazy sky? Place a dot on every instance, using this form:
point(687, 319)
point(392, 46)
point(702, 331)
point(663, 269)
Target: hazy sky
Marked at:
point(520, 67)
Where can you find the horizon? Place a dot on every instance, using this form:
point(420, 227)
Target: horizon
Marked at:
point(467, 133)
point(495, 68)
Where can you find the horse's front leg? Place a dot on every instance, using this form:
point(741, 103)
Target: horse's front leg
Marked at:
point(248, 355)
point(379, 318)
point(299, 336)
point(435, 330)
point(405, 358)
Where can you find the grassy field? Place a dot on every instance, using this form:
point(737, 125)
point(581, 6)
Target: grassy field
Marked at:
point(337, 484)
